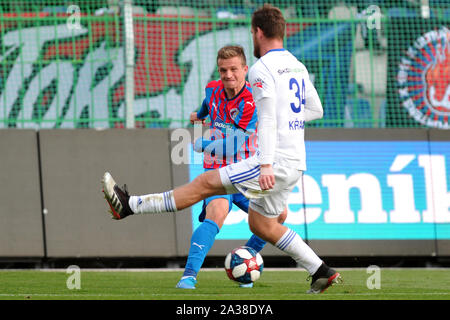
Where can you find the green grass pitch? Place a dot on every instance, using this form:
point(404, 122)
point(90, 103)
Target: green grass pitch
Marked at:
point(289, 284)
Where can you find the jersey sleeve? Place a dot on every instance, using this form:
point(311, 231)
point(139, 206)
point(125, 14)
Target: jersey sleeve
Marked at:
point(246, 118)
point(262, 82)
point(267, 130)
point(313, 106)
point(204, 111)
point(222, 147)
point(209, 92)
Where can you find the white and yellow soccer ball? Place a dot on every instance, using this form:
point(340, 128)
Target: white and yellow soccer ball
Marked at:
point(244, 265)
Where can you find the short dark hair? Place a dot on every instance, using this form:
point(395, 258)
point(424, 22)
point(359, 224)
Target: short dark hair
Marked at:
point(270, 20)
point(228, 52)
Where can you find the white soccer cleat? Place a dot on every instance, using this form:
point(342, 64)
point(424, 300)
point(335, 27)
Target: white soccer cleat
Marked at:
point(116, 197)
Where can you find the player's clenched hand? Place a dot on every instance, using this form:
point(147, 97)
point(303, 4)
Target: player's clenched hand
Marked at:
point(193, 118)
point(266, 177)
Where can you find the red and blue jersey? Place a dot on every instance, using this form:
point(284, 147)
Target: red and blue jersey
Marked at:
point(225, 113)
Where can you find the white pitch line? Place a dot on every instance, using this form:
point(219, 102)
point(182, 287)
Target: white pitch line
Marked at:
point(221, 294)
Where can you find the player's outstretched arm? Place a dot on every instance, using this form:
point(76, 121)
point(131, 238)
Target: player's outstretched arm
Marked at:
point(222, 147)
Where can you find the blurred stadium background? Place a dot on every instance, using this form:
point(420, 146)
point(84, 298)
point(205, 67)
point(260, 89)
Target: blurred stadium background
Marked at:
point(377, 186)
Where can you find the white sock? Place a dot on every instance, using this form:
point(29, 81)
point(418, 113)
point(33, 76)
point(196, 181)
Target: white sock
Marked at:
point(153, 203)
point(293, 245)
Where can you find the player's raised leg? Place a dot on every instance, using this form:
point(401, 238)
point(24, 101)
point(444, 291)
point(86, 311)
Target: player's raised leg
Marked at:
point(123, 205)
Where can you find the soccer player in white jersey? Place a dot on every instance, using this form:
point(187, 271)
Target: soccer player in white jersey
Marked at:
point(285, 99)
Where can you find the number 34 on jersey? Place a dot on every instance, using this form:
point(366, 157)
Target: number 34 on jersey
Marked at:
point(299, 100)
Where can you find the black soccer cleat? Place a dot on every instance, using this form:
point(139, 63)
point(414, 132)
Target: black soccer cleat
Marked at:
point(116, 198)
point(324, 278)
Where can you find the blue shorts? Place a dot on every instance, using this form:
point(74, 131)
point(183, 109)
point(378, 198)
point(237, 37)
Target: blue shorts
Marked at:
point(237, 198)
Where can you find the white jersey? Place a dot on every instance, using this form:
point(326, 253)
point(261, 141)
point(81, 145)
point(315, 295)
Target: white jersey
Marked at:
point(280, 76)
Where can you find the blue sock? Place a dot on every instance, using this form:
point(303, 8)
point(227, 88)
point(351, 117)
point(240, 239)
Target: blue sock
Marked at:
point(256, 243)
point(201, 241)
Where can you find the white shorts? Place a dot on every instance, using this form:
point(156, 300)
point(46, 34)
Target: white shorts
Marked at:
point(243, 177)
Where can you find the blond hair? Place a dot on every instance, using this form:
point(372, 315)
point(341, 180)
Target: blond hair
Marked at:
point(228, 52)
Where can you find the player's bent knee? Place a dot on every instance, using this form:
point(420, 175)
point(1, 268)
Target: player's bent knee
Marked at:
point(211, 183)
point(217, 211)
point(203, 187)
point(282, 217)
